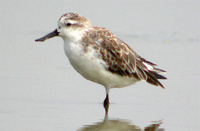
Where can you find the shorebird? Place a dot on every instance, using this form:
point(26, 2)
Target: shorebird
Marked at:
point(99, 56)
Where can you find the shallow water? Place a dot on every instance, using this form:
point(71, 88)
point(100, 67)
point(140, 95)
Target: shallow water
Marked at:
point(39, 90)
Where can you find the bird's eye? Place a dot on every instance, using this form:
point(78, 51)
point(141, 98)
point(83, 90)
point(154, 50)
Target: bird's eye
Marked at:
point(68, 24)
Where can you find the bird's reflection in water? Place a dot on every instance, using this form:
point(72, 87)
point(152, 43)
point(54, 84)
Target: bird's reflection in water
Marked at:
point(118, 125)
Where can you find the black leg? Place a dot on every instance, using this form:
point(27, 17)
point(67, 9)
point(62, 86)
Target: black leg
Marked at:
point(106, 103)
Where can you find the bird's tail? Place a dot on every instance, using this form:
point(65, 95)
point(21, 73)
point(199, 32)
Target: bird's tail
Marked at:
point(153, 73)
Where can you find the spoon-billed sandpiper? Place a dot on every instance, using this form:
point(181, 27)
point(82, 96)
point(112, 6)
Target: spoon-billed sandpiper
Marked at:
point(101, 57)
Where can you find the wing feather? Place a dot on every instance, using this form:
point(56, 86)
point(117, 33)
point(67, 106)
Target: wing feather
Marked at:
point(122, 60)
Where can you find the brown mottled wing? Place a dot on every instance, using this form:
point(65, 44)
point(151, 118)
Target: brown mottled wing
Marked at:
point(121, 59)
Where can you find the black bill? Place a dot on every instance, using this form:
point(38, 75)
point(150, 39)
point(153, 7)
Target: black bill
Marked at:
point(48, 36)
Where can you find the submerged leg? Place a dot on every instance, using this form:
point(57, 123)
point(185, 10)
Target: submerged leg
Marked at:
point(106, 103)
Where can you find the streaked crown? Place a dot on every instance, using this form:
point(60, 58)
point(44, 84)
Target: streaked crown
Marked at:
point(74, 19)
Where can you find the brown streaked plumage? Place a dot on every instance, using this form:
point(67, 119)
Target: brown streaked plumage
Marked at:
point(121, 59)
point(100, 56)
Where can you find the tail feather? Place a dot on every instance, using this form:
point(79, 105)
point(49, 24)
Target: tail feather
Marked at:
point(148, 62)
point(152, 79)
point(158, 76)
point(158, 70)
point(153, 73)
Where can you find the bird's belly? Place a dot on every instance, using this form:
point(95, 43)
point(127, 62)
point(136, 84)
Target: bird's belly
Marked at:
point(94, 69)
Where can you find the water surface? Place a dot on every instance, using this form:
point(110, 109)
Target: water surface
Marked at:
point(40, 90)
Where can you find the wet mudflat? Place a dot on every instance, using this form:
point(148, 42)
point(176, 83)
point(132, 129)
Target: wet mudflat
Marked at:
point(39, 89)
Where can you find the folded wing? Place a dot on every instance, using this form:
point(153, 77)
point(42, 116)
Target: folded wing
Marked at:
point(122, 60)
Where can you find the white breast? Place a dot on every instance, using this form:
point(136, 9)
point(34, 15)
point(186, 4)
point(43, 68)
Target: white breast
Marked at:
point(86, 64)
point(93, 68)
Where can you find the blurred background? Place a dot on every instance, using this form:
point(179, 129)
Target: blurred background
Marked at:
point(40, 90)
